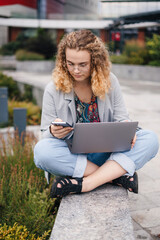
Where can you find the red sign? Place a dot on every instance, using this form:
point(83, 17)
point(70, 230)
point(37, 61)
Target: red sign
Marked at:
point(116, 36)
point(27, 3)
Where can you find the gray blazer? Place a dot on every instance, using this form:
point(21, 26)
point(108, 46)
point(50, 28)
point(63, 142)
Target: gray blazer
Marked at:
point(57, 104)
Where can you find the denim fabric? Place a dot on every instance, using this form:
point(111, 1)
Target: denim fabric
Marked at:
point(52, 155)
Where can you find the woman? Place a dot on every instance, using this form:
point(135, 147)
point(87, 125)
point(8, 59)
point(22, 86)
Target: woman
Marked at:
point(84, 90)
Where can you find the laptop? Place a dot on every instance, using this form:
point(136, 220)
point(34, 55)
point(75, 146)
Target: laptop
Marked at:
point(102, 137)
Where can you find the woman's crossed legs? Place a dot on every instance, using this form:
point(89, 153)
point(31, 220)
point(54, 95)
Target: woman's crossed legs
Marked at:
point(53, 155)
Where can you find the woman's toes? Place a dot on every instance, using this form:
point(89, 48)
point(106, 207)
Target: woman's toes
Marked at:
point(131, 179)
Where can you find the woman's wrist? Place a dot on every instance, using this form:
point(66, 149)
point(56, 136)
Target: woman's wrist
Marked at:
point(50, 129)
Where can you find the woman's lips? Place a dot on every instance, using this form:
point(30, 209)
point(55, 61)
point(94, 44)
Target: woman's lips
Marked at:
point(77, 76)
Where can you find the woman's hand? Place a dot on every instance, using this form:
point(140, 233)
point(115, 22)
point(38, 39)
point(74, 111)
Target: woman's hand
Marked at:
point(133, 141)
point(59, 131)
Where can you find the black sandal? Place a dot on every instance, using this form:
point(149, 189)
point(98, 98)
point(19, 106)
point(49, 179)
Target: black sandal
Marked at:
point(66, 188)
point(127, 183)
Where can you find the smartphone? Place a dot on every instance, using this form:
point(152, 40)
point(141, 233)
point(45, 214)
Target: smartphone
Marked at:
point(64, 124)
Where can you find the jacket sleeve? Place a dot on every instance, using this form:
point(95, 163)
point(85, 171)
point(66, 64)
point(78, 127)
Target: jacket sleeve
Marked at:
point(119, 109)
point(48, 111)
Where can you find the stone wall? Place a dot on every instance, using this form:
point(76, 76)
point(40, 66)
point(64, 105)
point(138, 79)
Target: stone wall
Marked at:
point(35, 66)
point(135, 72)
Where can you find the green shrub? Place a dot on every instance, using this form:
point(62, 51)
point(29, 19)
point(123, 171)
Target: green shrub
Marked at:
point(136, 53)
point(135, 59)
point(18, 232)
point(154, 63)
point(28, 95)
point(140, 57)
point(9, 48)
point(13, 91)
point(16, 99)
point(110, 46)
point(130, 47)
point(23, 55)
point(42, 44)
point(24, 194)
point(140, 54)
point(33, 111)
point(121, 59)
point(153, 46)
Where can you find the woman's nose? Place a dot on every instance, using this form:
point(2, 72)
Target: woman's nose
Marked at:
point(76, 69)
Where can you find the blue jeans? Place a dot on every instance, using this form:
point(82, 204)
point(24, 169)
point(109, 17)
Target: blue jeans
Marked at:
point(52, 155)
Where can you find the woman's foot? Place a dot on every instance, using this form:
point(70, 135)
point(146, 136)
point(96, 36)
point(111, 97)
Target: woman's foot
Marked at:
point(128, 182)
point(63, 186)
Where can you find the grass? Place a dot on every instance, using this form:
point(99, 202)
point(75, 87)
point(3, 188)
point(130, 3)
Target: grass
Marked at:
point(24, 193)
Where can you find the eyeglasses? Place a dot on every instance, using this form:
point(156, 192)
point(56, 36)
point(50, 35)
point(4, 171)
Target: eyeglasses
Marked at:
point(80, 67)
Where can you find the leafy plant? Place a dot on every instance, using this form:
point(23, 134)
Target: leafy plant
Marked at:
point(11, 47)
point(121, 59)
point(111, 46)
point(28, 95)
point(23, 55)
point(33, 111)
point(154, 63)
point(42, 44)
point(136, 53)
point(153, 46)
point(17, 99)
point(18, 232)
point(130, 47)
point(24, 195)
point(13, 90)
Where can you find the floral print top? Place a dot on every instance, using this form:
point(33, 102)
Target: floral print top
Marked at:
point(87, 112)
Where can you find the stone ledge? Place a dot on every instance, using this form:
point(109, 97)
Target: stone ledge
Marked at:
point(136, 72)
point(102, 214)
point(42, 66)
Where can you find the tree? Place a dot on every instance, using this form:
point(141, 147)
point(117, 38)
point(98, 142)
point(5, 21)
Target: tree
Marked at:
point(153, 46)
point(42, 43)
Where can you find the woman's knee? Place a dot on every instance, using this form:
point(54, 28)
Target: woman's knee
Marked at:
point(151, 142)
point(154, 142)
point(44, 151)
point(40, 152)
point(53, 155)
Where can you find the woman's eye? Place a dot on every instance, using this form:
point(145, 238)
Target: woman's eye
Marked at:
point(82, 65)
point(69, 63)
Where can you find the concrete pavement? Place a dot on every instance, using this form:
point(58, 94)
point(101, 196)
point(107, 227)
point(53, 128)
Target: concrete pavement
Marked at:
point(143, 103)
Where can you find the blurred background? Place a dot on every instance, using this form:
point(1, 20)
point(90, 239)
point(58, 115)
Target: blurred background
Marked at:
point(117, 22)
point(30, 31)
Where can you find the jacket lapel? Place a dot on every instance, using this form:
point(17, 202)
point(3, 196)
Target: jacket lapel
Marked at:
point(101, 104)
point(71, 104)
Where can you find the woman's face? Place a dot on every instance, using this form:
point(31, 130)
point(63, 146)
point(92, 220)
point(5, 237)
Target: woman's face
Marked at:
point(78, 64)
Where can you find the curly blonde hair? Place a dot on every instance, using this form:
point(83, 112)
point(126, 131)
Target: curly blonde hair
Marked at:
point(100, 64)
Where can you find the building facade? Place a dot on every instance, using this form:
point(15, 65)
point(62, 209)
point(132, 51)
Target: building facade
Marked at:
point(44, 9)
point(123, 19)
